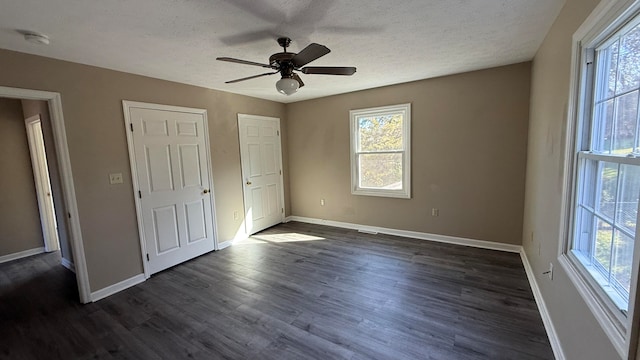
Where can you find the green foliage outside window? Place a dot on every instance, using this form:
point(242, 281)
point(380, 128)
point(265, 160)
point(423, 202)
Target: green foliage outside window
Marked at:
point(380, 136)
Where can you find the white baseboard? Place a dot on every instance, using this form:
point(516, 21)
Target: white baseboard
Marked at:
point(412, 234)
point(542, 308)
point(112, 289)
point(68, 264)
point(225, 244)
point(21, 254)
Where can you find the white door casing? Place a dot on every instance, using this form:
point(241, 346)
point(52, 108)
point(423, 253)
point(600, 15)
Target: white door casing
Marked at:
point(261, 160)
point(54, 101)
point(43, 183)
point(171, 172)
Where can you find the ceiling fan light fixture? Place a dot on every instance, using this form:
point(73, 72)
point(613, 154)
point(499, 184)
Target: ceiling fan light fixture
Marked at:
point(287, 86)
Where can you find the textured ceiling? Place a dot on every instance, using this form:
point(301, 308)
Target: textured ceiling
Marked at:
point(389, 42)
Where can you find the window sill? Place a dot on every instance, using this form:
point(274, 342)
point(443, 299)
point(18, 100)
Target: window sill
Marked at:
point(599, 278)
point(610, 324)
point(381, 193)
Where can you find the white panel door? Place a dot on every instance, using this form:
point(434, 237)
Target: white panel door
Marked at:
point(174, 190)
point(261, 159)
point(43, 183)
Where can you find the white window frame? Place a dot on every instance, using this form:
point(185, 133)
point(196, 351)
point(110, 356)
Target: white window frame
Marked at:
point(606, 20)
point(354, 115)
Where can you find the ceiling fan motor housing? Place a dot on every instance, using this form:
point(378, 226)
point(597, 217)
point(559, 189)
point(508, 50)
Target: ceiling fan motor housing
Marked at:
point(283, 61)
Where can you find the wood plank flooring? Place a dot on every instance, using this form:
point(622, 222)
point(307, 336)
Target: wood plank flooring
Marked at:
point(295, 291)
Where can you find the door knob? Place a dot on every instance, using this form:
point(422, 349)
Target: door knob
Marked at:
point(248, 182)
point(206, 191)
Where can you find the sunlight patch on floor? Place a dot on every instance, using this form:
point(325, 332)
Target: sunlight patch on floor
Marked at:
point(278, 238)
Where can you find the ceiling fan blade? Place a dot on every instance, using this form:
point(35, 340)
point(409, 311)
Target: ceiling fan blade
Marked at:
point(245, 62)
point(250, 77)
point(329, 70)
point(310, 53)
point(297, 78)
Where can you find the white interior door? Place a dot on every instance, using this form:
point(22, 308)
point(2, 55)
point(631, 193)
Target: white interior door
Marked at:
point(43, 183)
point(261, 158)
point(172, 172)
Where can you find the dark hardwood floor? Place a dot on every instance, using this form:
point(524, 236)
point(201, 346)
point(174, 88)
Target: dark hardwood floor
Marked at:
point(295, 291)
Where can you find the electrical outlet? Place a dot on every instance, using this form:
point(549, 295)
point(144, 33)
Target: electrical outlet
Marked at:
point(235, 215)
point(435, 212)
point(321, 202)
point(115, 178)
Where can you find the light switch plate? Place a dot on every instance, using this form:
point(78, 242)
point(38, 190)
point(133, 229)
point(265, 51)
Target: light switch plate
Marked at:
point(115, 178)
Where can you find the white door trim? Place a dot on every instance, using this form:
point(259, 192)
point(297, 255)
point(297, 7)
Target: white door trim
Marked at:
point(126, 106)
point(244, 176)
point(66, 176)
point(43, 183)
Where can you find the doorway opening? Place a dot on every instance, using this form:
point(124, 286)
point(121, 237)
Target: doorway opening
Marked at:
point(56, 215)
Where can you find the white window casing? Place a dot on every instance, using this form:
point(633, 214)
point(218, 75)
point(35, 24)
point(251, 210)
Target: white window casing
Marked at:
point(381, 151)
point(587, 166)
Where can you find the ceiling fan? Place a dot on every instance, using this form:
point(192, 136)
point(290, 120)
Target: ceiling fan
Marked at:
point(286, 63)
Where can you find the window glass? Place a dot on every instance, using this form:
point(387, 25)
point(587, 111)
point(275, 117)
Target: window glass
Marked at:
point(608, 181)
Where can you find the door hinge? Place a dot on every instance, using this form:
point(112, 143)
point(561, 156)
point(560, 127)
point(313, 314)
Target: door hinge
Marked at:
point(278, 132)
point(131, 126)
point(69, 214)
point(282, 210)
point(140, 194)
point(147, 257)
point(280, 172)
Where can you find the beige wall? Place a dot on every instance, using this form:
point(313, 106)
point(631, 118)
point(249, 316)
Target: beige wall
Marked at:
point(20, 228)
point(581, 336)
point(32, 108)
point(92, 104)
point(469, 156)
point(469, 140)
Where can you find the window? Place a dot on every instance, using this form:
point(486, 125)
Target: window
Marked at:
point(380, 151)
point(609, 168)
point(601, 233)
